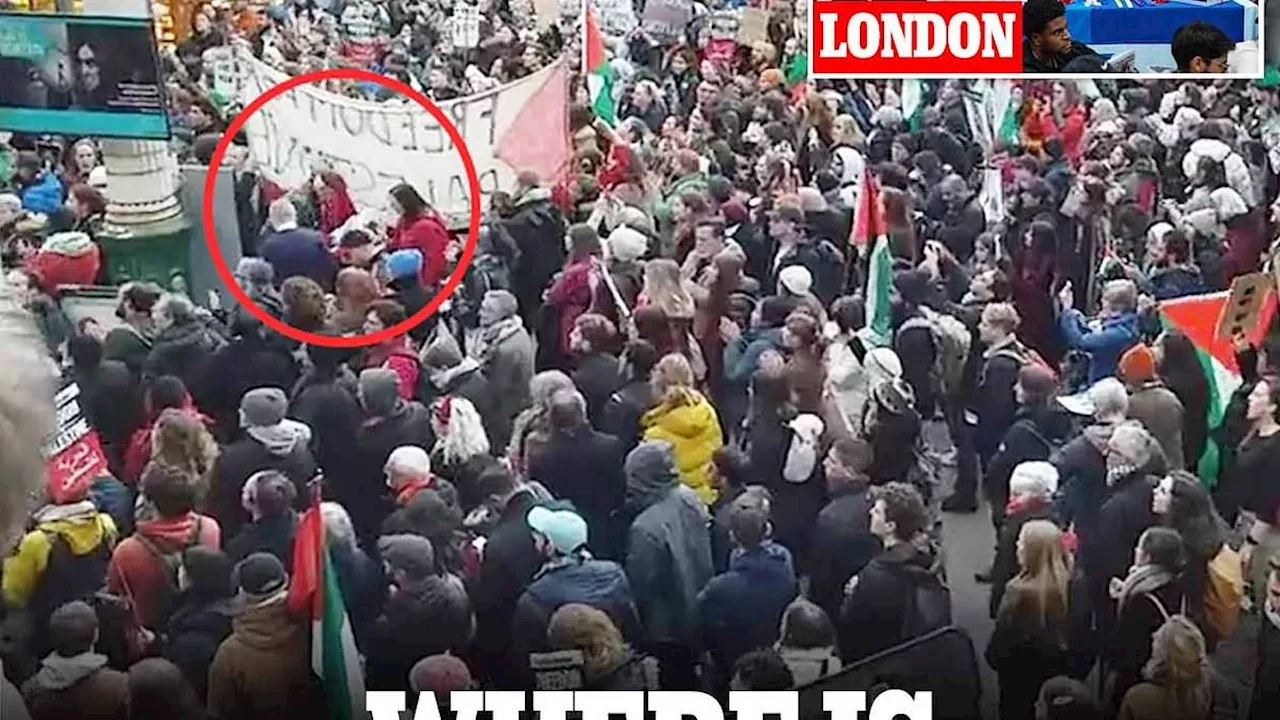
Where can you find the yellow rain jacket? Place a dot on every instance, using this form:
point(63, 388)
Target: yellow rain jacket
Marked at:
point(686, 420)
point(80, 525)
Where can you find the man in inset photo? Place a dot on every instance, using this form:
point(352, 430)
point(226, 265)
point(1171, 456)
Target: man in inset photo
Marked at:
point(1048, 47)
point(90, 91)
point(1201, 47)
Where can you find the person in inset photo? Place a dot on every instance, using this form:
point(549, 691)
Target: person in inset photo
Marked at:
point(91, 89)
point(1201, 47)
point(1048, 47)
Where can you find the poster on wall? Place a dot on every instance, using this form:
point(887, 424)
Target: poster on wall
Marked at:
point(76, 75)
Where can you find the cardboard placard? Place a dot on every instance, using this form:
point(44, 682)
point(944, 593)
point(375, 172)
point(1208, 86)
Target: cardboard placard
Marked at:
point(1244, 305)
point(73, 454)
point(667, 19)
point(753, 26)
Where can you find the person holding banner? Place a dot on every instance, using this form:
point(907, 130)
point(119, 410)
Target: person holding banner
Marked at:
point(419, 228)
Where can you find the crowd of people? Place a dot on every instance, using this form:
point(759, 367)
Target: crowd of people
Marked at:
point(666, 421)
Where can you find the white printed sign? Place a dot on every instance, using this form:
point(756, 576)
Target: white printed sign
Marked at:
point(617, 17)
point(376, 146)
point(466, 26)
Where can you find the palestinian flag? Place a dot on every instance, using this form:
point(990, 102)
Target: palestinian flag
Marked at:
point(1006, 115)
point(595, 65)
point(913, 102)
point(314, 591)
point(869, 227)
point(1270, 77)
point(1197, 318)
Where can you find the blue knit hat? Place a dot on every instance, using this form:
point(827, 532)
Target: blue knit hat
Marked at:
point(565, 529)
point(404, 264)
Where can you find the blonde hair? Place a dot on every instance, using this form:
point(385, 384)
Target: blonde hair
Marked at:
point(848, 132)
point(664, 289)
point(1180, 665)
point(672, 376)
point(181, 442)
point(1039, 592)
point(584, 628)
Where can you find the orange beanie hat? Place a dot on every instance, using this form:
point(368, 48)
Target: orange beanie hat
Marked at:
point(1138, 364)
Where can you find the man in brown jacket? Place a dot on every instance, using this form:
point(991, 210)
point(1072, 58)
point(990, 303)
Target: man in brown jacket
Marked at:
point(1153, 404)
point(263, 671)
point(75, 682)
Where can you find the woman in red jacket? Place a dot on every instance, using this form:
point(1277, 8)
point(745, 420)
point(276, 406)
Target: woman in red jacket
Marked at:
point(395, 354)
point(570, 295)
point(1065, 118)
point(420, 228)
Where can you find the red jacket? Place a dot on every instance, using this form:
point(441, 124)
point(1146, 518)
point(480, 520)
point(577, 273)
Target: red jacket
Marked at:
point(138, 453)
point(428, 235)
point(400, 360)
point(137, 573)
point(571, 295)
point(1071, 133)
point(52, 269)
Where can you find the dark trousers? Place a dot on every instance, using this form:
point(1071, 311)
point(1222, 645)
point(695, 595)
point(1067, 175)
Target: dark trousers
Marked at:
point(677, 666)
point(966, 456)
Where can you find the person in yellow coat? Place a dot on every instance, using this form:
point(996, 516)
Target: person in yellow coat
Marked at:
point(684, 418)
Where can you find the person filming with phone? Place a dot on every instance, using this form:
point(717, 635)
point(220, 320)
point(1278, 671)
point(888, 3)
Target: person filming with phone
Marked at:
point(1107, 336)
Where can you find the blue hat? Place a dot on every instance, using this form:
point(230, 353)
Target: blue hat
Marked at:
point(565, 529)
point(404, 264)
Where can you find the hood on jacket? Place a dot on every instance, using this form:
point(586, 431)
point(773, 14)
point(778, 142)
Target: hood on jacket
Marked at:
point(81, 526)
point(651, 474)
point(171, 534)
point(268, 626)
point(282, 438)
point(71, 244)
point(59, 673)
point(917, 559)
point(533, 195)
point(192, 335)
point(687, 415)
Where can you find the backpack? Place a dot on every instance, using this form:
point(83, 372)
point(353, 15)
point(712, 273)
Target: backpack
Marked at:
point(928, 607)
point(1024, 356)
point(951, 341)
point(424, 391)
point(67, 577)
point(169, 564)
point(1223, 591)
point(1052, 445)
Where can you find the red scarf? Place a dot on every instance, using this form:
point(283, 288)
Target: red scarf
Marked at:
point(1070, 542)
point(415, 486)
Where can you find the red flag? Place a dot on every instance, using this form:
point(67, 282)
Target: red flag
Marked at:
point(546, 150)
point(869, 222)
point(308, 542)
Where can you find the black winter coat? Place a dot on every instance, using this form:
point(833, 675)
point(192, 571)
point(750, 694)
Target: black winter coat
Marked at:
point(1128, 645)
point(585, 468)
point(994, 402)
point(430, 618)
point(185, 351)
point(873, 615)
point(1031, 436)
point(842, 547)
point(409, 424)
point(510, 561)
point(1122, 520)
point(623, 411)
point(597, 377)
point(1025, 656)
point(274, 536)
point(195, 631)
point(245, 364)
point(329, 406)
point(1266, 681)
point(1005, 565)
point(237, 463)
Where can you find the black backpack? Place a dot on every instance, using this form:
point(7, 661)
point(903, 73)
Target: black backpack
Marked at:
point(67, 577)
point(928, 606)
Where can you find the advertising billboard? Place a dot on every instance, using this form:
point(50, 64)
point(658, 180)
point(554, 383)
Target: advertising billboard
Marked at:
point(77, 75)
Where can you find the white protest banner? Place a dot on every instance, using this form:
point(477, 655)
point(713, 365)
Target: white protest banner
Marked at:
point(667, 19)
point(375, 146)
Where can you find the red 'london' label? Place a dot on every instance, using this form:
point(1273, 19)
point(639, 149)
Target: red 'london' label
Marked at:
point(907, 38)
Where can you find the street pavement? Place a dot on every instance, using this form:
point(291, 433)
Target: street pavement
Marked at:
point(970, 543)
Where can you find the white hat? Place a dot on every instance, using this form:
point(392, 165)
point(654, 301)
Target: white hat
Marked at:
point(98, 177)
point(796, 279)
point(409, 460)
point(626, 244)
